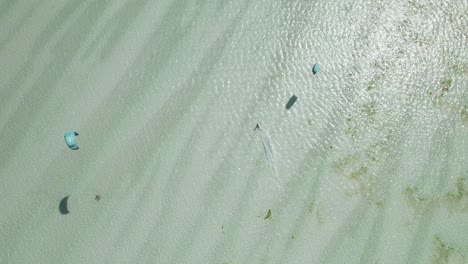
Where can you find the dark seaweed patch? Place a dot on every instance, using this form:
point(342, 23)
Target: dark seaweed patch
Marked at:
point(268, 215)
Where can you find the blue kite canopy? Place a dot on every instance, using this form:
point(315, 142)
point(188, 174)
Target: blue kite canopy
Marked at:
point(70, 139)
point(316, 68)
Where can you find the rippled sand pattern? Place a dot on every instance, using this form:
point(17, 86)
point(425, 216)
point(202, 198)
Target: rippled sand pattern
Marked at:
point(370, 164)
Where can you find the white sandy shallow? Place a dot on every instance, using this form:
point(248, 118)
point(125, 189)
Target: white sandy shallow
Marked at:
point(370, 164)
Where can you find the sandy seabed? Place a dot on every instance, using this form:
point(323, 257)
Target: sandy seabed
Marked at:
point(369, 165)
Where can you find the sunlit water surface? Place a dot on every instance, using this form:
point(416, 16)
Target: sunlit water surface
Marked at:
point(370, 165)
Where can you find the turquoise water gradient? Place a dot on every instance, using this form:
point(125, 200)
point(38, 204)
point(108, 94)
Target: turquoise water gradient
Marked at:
point(370, 164)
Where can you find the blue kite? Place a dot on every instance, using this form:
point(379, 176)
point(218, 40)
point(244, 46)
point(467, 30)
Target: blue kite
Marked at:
point(315, 69)
point(70, 139)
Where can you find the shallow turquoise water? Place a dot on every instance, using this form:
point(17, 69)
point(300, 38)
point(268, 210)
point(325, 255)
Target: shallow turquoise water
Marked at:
point(370, 165)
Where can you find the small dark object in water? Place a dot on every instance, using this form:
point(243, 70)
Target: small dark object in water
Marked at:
point(291, 101)
point(63, 206)
point(268, 216)
point(257, 127)
point(97, 198)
